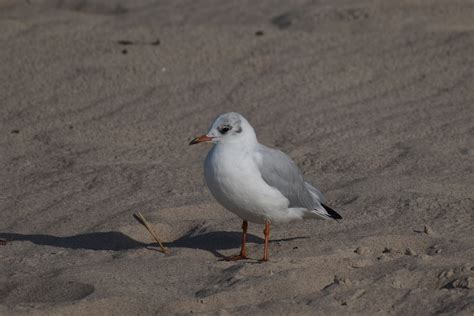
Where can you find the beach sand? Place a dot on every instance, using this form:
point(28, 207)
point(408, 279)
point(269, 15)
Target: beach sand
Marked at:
point(373, 100)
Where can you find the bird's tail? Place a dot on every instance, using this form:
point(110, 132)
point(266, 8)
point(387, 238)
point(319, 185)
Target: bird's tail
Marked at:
point(326, 212)
point(332, 213)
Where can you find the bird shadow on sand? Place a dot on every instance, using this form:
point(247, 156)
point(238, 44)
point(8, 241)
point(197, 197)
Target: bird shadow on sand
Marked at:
point(117, 241)
point(114, 241)
point(218, 240)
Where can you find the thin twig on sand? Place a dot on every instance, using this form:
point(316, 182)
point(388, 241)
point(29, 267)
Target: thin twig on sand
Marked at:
point(141, 219)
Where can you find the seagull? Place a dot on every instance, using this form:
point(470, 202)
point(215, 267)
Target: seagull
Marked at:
point(257, 183)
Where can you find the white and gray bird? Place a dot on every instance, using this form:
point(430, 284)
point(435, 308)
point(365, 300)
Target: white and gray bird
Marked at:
point(259, 184)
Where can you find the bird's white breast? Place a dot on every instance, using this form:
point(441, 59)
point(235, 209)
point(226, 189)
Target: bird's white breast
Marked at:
point(235, 181)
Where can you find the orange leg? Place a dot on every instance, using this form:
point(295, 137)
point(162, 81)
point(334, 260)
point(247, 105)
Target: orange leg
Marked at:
point(266, 232)
point(243, 249)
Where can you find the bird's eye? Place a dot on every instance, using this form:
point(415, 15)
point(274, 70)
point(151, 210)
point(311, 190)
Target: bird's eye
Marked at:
point(224, 129)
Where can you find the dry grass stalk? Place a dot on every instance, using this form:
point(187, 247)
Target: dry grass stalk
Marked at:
point(141, 219)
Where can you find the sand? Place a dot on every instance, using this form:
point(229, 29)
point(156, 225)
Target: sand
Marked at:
point(99, 99)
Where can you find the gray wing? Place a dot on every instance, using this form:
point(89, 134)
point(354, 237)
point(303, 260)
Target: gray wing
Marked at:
point(315, 193)
point(280, 172)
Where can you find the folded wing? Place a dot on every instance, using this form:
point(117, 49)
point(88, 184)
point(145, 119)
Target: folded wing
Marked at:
point(281, 173)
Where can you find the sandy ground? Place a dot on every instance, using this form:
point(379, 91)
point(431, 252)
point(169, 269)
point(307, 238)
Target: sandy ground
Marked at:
point(373, 100)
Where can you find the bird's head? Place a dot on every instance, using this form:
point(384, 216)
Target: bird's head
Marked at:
point(228, 128)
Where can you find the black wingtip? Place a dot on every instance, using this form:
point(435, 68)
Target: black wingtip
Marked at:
point(335, 215)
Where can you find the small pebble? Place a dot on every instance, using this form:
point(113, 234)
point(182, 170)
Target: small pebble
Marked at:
point(427, 230)
point(467, 267)
point(397, 284)
point(363, 251)
point(360, 263)
point(387, 250)
point(341, 280)
point(446, 274)
point(410, 252)
point(434, 250)
point(259, 33)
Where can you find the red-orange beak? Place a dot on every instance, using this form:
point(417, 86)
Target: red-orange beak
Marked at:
point(201, 139)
